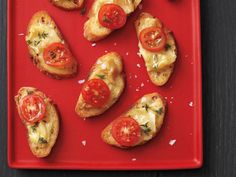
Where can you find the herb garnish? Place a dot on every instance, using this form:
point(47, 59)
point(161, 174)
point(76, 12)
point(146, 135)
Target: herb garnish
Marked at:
point(145, 128)
point(159, 111)
point(101, 76)
point(168, 46)
point(42, 140)
point(105, 19)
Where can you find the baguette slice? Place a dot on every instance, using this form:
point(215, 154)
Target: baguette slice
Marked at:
point(93, 30)
point(149, 112)
point(41, 135)
point(68, 4)
point(41, 32)
point(109, 68)
point(160, 64)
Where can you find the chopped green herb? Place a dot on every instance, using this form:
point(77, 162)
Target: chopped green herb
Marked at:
point(29, 42)
point(159, 111)
point(34, 128)
point(100, 76)
point(42, 35)
point(83, 10)
point(105, 19)
point(168, 46)
point(42, 140)
point(36, 43)
point(145, 128)
point(146, 107)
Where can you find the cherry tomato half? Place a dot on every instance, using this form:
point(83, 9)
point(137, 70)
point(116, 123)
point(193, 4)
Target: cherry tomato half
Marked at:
point(33, 108)
point(112, 16)
point(153, 39)
point(58, 55)
point(126, 131)
point(96, 92)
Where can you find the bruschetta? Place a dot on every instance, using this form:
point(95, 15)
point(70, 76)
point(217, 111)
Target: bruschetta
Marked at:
point(68, 4)
point(40, 117)
point(103, 86)
point(157, 47)
point(138, 125)
point(106, 16)
point(48, 49)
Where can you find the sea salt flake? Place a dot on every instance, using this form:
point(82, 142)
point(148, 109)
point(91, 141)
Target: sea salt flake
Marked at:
point(93, 44)
point(21, 34)
point(172, 142)
point(81, 81)
point(190, 104)
point(84, 142)
point(140, 6)
point(139, 54)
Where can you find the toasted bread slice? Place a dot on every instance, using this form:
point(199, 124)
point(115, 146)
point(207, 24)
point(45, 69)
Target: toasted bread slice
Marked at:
point(160, 64)
point(93, 30)
point(68, 4)
point(149, 112)
point(42, 31)
point(41, 135)
point(109, 68)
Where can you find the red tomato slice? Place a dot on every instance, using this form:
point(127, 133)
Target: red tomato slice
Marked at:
point(112, 16)
point(126, 131)
point(96, 92)
point(58, 55)
point(32, 108)
point(153, 39)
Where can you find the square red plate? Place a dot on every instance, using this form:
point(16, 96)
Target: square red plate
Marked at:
point(79, 145)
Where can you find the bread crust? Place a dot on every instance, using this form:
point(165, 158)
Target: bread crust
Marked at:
point(54, 72)
point(93, 30)
point(40, 150)
point(68, 4)
point(114, 79)
point(106, 134)
point(161, 76)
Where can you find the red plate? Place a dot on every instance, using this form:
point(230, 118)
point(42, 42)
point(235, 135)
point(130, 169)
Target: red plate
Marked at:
point(79, 145)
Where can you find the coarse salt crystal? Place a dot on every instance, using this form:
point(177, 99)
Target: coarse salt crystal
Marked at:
point(84, 142)
point(93, 44)
point(140, 6)
point(81, 81)
point(139, 54)
point(172, 142)
point(190, 104)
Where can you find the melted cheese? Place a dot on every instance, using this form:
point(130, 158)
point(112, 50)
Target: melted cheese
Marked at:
point(40, 36)
point(42, 129)
point(109, 68)
point(157, 60)
point(145, 113)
